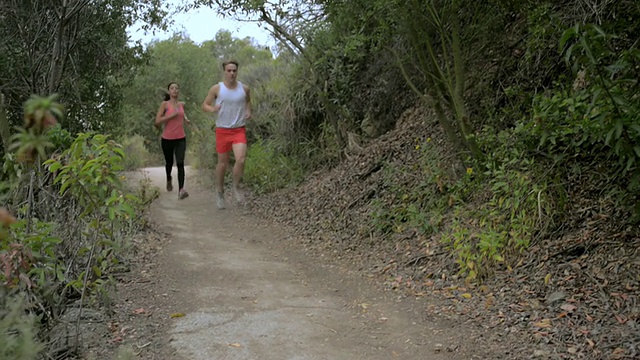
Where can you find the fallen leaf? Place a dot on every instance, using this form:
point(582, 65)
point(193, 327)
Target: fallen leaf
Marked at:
point(176, 315)
point(466, 295)
point(139, 311)
point(544, 323)
point(620, 319)
point(618, 353)
point(568, 307)
point(547, 279)
point(572, 350)
point(590, 342)
point(116, 339)
point(235, 345)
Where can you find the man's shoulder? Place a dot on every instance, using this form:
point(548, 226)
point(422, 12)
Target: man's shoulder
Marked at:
point(215, 87)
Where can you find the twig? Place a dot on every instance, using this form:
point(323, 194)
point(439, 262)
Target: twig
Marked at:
point(30, 208)
point(84, 288)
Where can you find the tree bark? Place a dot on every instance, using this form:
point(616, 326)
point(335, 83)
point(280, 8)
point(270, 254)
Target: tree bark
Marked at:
point(57, 57)
point(5, 129)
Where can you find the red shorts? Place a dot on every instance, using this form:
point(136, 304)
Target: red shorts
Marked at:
point(225, 138)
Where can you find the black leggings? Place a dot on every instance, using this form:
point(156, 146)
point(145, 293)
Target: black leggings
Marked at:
point(177, 147)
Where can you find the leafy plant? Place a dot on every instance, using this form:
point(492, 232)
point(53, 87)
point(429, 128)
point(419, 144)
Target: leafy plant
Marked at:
point(17, 329)
point(607, 83)
point(266, 170)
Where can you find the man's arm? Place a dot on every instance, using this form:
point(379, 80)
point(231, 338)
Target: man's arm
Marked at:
point(208, 103)
point(248, 102)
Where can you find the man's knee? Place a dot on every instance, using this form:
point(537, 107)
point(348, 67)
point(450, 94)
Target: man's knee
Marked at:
point(223, 160)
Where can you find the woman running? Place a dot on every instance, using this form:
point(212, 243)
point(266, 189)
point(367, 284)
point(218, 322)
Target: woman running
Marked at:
point(171, 115)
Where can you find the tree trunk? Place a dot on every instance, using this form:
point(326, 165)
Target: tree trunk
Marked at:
point(57, 57)
point(5, 129)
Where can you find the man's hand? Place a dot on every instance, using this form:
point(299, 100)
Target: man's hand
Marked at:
point(247, 115)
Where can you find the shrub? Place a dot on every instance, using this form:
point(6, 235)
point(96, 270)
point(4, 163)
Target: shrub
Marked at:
point(136, 153)
point(267, 170)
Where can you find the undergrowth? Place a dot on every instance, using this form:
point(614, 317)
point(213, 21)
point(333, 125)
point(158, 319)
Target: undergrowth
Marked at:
point(268, 170)
point(65, 227)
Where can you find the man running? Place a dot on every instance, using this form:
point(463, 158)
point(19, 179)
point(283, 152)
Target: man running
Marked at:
point(231, 100)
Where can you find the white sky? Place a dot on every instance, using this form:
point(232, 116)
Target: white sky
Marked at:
point(202, 25)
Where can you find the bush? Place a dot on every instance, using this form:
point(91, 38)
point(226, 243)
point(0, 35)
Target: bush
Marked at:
point(136, 153)
point(17, 330)
point(267, 170)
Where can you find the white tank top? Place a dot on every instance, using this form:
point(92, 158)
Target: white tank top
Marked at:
point(233, 108)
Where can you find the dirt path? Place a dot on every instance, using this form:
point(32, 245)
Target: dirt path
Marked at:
point(245, 296)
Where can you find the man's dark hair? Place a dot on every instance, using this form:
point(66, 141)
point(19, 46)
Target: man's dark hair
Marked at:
point(234, 62)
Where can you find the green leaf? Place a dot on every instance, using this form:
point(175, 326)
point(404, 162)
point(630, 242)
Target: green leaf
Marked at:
point(96, 271)
point(619, 129)
point(607, 138)
point(566, 36)
point(630, 163)
point(599, 30)
point(55, 166)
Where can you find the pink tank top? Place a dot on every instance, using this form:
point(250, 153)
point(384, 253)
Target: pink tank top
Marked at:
point(174, 129)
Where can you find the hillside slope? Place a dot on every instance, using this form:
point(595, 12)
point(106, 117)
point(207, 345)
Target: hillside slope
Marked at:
point(574, 294)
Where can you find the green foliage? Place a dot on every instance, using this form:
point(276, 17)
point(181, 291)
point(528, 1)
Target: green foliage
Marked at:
point(419, 207)
point(604, 102)
point(90, 174)
point(34, 259)
point(17, 329)
point(136, 155)
point(40, 113)
point(78, 49)
point(267, 170)
point(72, 241)
point(60, 138)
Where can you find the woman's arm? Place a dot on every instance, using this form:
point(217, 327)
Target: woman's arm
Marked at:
point(185, 114)
point(160, 118)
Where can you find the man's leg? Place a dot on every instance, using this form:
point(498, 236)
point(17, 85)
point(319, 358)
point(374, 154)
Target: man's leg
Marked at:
point(239, 154)
point(221, 168)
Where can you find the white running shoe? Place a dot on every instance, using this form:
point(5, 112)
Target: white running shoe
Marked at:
point(238, 195)
point(220, 200)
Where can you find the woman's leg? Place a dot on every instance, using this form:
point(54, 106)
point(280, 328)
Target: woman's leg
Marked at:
point(168, 149)
point(180, 150)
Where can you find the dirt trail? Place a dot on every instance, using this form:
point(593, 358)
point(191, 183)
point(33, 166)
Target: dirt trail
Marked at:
point(244, 296)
